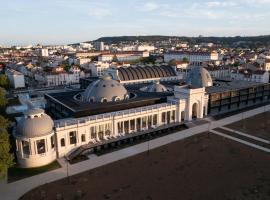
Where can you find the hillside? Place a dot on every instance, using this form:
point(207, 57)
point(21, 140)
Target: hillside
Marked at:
point(252, 40)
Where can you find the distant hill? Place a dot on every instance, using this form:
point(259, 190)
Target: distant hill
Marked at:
point(250, 40)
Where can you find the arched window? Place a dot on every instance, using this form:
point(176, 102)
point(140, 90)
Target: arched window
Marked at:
point(117, 99)
point(62, 142)
point(104, 100)
point(83, 137)
point(92, 100)
point(41, 148)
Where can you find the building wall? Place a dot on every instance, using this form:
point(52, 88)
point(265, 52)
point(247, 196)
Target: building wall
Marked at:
point(179, 109)
point(234, 100)
point(34, 158)
point(105, 126)
point(16, 79)
point(196, 57)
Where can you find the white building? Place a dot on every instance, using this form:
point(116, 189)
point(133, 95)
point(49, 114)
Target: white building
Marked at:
point(60, 78)
point(258, 76)
point(16, 78)
point(39, 141)
point(98, 68)
point(123, 56)
point(44, 52)
point(144, 48)
point(192, 57)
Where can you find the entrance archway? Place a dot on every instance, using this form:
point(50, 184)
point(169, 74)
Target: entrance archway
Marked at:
point(195, 111)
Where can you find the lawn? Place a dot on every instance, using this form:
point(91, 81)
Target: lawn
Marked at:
point(202, 167)
point(16, 173)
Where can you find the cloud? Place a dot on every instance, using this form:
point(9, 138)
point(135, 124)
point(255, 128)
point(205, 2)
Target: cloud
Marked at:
point(150, 6)
point(218, 4)
point(100, 12)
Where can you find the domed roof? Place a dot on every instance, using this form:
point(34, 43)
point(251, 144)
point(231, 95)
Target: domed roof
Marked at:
point(199, 77)
point(105, 90)
point(155, 87)
point(35, 123)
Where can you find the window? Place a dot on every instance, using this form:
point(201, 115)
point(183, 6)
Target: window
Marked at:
point(101, 132)
point(182, 116)
point(72, 137)
point(169, 117)
point(52, 142)
point(41, 146)
point(62, 142)
point(93, 132)
point(163, 117)
point(126, 126)
point(120, 127)
point(144, 119)
point(138, 124)
point(108, 129)
point(132, 124)
point(173, 116)
point(149, 121)
point(25, 147)
point(155, 119)
point(104, 100)
point(83, 137)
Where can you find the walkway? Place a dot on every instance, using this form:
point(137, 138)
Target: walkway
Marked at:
point(16, 189)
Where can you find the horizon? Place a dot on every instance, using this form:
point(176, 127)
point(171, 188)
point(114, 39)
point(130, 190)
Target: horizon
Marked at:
point(66, 22)
point(115, 36)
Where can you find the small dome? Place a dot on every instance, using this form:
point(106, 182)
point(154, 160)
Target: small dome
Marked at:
point(199, 77)
point(155, 87)
point(105, 90)
point(35, 123)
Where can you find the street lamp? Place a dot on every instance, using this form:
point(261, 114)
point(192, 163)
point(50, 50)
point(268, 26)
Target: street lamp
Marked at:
point(67, 168)
point(209, 128)
point(148, 144)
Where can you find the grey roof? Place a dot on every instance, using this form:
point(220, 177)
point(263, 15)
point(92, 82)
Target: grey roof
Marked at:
point(35, 111)
point(199, 77)
point(231, 85)
point(155, 87)
point(147, 72)
point(35, 124)
point(104, 88)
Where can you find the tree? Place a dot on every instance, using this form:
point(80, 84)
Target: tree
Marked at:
point(4, 123)
point(67, 68)
point(115, 59)
point(185, 59)
point(6, 158)
point(4, 82)
point(172, 62)
point(3, 99)
point(148, 60)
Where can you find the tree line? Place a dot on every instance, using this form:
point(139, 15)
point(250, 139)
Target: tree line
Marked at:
point(6, 157)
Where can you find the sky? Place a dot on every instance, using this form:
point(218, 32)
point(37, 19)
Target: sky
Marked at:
point(68, 21)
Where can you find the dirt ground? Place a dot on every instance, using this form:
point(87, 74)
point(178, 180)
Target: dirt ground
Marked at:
point(202, 167)
point(258, 125)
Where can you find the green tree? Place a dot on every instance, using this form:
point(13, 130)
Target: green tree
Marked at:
point(185, 59)
point(3, 99)
point(172, 62)
point(4, 82)
point(6, 158)
point(4, 123)
point(67, 68)
point(115, 59)
point(146, 60)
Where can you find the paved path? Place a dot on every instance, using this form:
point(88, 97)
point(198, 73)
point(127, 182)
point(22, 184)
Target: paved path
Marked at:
point(16, 189)
point(241, 141)
point(246, 135)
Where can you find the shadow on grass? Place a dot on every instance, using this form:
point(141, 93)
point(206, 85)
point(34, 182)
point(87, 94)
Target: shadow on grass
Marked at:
point(16, 173)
